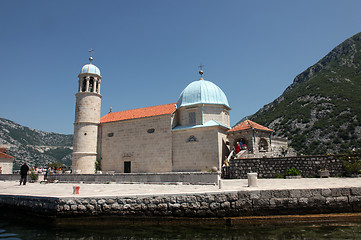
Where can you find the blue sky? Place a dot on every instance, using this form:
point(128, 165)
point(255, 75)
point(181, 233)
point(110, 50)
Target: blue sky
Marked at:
point(149, 50)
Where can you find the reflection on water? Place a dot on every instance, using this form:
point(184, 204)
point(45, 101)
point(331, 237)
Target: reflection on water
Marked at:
point(10, 229)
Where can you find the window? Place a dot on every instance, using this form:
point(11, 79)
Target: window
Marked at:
point(110, 134)
point(91, 84)
point(263, 145)
point(192, 139)
point(192, 118)
point(83, 85)
point(151, 130)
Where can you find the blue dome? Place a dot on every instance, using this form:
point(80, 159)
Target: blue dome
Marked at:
point(90, 68)
point(202, 92)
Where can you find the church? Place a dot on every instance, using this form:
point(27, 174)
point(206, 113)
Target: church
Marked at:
point(185, 136)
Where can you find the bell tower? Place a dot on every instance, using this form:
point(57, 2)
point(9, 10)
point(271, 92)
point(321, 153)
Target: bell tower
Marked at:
point(87, 119)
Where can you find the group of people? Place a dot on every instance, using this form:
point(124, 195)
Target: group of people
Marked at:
point(237, 149)
point(24, 170)
point(240, 146)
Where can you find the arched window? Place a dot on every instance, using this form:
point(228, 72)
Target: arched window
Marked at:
point(91, 84)
point(242, 145)
point(83, 88)
point(263, 145)
point(96, 86)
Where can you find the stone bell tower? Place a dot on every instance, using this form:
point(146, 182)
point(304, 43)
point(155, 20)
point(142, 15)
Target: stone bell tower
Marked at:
point(87, 119)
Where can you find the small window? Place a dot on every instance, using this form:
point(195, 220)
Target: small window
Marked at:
point(85, 134)
point(192, 118)
point(151, 130)
point(110, 134)
point(192, 139)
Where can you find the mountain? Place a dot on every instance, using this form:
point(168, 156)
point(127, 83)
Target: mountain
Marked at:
point(320, 112)
point(38, 148)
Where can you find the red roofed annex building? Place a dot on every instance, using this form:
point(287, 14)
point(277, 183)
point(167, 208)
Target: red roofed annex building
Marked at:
point(255, 140)
point(6, 162)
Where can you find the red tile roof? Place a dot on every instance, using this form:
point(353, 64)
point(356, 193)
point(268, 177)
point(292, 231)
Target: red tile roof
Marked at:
point(248, 124)
point(3, 154)
point(139, 113)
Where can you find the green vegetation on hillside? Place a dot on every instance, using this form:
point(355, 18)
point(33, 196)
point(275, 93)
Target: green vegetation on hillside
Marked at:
point(36, 147)
point(321, 112)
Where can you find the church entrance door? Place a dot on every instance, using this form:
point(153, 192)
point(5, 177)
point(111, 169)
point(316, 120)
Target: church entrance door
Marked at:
point(127, 167)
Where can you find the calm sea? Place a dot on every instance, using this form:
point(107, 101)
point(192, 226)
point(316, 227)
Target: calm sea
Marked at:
point(16, 229)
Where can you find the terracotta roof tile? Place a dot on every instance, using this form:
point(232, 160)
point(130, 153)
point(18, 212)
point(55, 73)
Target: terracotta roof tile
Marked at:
point(139, 113)
point(4, 155)
point(248, 124)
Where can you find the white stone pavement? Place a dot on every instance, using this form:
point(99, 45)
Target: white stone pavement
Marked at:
point(138, 189)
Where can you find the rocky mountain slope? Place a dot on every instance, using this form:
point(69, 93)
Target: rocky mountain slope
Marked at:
point(38, 148)
point(320, 112)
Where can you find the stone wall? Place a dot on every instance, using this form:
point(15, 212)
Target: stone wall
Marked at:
point(145, 143)
point(271, 167)
point(6, 166)
point(10, 177)
point(197, 149)
point(219, 204)
point(204, 113)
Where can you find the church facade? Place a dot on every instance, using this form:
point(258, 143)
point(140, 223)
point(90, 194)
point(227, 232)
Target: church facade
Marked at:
point(190, 135)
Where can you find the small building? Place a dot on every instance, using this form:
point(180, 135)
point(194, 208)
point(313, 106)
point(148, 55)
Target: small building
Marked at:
point(6, 162)
point(256, 141)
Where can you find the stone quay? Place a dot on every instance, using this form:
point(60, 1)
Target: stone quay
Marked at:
point(234, 199)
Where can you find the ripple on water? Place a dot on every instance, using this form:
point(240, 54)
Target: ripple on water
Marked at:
point(8, 236)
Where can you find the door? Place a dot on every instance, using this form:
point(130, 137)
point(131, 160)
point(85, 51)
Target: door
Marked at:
point(127, 167)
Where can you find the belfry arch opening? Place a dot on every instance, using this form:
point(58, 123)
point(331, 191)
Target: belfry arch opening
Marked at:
point(91, 84)
point(242, 145)
point(263, 145)
point(83, 87)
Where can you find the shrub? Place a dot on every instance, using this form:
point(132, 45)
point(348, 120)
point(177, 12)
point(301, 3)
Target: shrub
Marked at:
point(97, 166)
point(352, 162)
point(33, 176)
point(293, 172)
point(280, 175)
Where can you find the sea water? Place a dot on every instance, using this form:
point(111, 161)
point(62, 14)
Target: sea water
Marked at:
point(10, 229)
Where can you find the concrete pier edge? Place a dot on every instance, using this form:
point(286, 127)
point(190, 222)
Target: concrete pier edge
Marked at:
point(232, 206)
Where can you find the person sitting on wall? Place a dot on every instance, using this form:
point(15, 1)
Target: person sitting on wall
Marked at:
point(238, 148)
point(244, 146)
point(241, 145)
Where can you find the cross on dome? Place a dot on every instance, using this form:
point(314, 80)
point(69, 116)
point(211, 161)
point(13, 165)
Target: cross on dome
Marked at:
point(91, 55)
point(201, 71)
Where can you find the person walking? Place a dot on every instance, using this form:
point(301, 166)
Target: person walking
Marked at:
point(24, 173)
